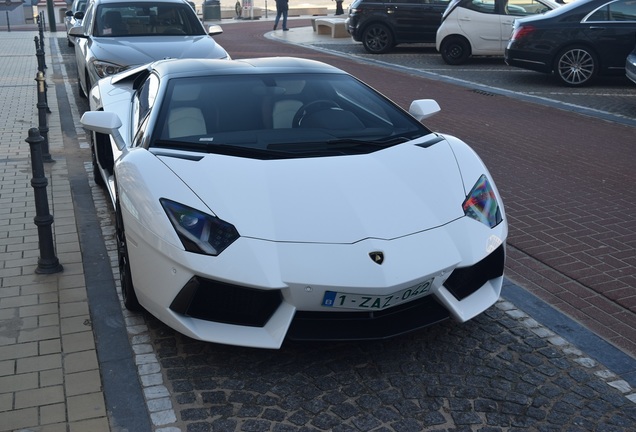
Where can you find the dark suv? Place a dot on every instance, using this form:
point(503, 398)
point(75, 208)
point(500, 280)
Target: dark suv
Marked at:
point(380, 25)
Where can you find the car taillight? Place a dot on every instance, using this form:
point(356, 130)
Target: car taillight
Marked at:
point(521, 32)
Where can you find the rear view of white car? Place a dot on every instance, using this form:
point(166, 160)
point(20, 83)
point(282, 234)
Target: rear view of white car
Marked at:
point(482, 27)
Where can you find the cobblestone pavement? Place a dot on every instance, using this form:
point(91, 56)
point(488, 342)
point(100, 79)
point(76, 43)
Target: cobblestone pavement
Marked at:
point(500, 372)
point(503, 371)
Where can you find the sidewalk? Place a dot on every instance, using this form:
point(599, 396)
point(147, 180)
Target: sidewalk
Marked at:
point(49, 374)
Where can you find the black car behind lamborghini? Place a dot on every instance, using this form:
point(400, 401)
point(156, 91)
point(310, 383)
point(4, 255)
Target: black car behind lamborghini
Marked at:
point(577, 41)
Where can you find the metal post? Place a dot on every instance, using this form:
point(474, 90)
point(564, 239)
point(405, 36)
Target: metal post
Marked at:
point(8, 22)
point(47, 262)
point(42, 122)
point(39, 54)
point(51, 11)
point(41, 30)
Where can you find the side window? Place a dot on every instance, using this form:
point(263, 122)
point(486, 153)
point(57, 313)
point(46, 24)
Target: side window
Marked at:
point(87, 22)
point(482, 6)
point(622, 10)
point(600, 14)
point(143, 101)
point(524, 7)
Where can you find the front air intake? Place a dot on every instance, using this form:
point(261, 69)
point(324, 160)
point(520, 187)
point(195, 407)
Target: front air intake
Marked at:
point(466, 280)
point(229, 304)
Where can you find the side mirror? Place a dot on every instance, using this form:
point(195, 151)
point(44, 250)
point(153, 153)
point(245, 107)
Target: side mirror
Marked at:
point(424, 108)
point(107, 123)
point(214, 30)
point(77, 31)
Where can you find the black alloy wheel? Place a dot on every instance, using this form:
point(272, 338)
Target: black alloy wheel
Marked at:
point(377, 39)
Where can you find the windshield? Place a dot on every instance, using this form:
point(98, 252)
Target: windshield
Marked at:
point(277, 115)
point(146, 19)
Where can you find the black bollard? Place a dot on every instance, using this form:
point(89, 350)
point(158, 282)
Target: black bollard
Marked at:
point(41, 30)
point(47, 262)
point(39, 54)
point(42, 122)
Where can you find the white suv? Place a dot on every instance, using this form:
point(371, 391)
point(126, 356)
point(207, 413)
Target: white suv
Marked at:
point(482, 27)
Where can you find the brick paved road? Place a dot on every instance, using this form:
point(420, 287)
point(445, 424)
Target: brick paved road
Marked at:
point(500, 372)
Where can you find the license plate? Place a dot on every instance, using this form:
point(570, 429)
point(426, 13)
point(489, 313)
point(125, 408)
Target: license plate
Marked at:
point(359, 301)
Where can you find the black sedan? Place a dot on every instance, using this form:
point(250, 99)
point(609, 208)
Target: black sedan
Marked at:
point(577, 41)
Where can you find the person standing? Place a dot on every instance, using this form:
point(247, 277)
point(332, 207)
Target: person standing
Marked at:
point(282, 7)
point(339, 9)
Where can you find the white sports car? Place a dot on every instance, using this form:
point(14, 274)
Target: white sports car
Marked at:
point(264, 199)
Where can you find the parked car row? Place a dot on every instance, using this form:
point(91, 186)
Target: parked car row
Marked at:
point(577, 41)
point(244, 214)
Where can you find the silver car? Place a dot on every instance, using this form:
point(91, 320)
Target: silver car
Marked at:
point(116, 35)
point(72, 18)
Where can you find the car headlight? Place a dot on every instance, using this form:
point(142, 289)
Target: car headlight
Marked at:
point(481, 203)
point(104, 69)
point(199, 232)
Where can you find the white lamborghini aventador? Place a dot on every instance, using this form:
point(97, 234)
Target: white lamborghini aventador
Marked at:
point(272, 198)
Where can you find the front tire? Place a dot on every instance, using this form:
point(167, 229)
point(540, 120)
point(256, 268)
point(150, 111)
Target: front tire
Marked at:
point(455, 50)
point(576, 66)
point(377, 39)
point(127, 289)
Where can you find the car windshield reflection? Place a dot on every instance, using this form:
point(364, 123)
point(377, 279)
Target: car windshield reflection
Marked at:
point(145, 19)
point(281, 114)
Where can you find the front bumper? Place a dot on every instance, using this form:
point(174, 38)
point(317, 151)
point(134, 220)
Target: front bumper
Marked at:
point(257, 293)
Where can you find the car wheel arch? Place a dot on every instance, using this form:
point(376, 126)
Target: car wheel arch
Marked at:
point(380, 25)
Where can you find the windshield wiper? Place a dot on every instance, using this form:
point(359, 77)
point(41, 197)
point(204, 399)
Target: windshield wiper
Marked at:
point(224, 149)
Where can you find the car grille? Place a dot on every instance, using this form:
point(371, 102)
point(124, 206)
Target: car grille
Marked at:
point(230, 304)
point(466, 280)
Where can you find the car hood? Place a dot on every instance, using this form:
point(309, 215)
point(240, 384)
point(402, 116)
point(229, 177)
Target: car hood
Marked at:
point(129, 51)
point(386, 194)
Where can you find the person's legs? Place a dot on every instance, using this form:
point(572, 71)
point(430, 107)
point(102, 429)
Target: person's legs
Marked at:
point(285, 20)
point(278, 14)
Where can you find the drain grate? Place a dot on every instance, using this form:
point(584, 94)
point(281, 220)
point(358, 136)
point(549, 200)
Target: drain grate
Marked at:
point(483, 92)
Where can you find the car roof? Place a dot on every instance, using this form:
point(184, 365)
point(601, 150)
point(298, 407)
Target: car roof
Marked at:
point(137, 1)
point(199, 67)
point(193, 67)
